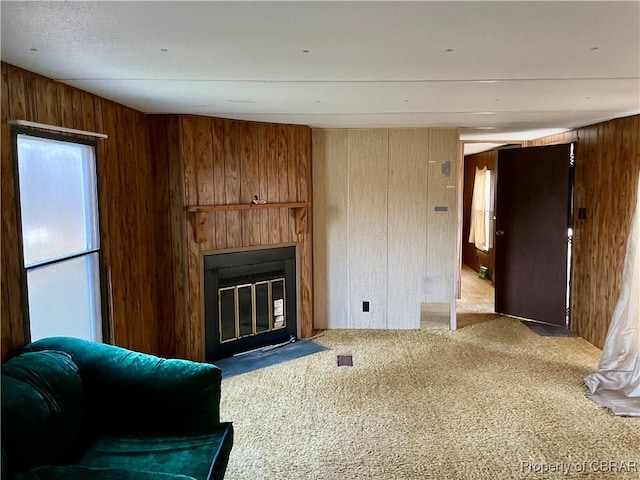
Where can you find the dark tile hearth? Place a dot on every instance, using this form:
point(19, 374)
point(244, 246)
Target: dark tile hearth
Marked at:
point(247, 362)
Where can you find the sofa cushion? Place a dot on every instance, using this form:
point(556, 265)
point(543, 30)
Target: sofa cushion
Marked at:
point(195, 455)
point(75, 472)
point(43, 409)
point(129, 391)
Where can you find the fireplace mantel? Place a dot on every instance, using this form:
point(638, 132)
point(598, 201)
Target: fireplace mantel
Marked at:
point(251, 206)
point(199, 214)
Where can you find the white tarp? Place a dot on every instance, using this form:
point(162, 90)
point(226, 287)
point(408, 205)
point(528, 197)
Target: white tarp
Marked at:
point(616, 383)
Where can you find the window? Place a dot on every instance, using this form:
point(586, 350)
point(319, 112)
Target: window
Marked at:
point(60, 236)
point(480, 232)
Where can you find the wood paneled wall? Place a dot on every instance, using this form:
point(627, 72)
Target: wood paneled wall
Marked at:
point(226, 162)
point(607, 167)
point(472, 256)
point(132, 229)
point(377, 234)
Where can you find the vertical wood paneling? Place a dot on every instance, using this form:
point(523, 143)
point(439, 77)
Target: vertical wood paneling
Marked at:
point(330, 230)
point(217, 126)
point(17, 94)
point(113, 196)
point(232, 181)
point(607, 169)
point(164, 298)
point(11, 248)
point(273, 182)
point(31, 95)
point(249, 187)
point(441, 225)
point(128, 215)
point(304, 154)
point(263, 181)
point(65, 106)
point(283, 178)
point(408, 170)
point(121, 267)
point(305, 238)
point(293, 173)
point(147, 209)
point(88, 114)
point(76, 105)
point(45, 101)
point(202, 143)
point(11, 306)
point(190, 164)
point(177, 202)
point(103, 173)
point(194, 329)
point(368, 179)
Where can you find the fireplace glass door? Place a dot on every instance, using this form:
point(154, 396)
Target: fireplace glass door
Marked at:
point(249, 300)
point(251, 309)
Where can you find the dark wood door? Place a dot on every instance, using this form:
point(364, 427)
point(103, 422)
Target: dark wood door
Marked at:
point(532, 222)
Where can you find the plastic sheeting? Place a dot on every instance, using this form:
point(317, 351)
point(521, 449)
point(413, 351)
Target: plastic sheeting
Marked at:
point(616, 383)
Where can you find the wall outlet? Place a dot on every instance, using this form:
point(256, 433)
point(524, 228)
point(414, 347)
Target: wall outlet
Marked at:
point(365, 306)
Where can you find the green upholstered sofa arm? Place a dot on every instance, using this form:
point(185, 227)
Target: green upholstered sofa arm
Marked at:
point(134, 392)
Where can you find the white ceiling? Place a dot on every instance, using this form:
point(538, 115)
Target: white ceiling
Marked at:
point(499, 70)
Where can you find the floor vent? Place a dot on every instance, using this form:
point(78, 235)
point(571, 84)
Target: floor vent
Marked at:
point(345, 361)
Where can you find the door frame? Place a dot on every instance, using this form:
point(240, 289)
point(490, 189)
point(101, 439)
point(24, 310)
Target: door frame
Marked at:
point(453, 324)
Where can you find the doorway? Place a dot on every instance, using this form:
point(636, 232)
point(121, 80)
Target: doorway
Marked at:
point(525, 251)
point(476, 299)
point(476, 303)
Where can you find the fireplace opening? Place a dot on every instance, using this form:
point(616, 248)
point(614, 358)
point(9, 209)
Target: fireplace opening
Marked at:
point(249, 299)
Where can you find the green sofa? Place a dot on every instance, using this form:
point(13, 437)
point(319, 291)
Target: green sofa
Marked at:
point(74, 409)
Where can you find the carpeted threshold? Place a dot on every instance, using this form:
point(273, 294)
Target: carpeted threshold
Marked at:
point(545, 330)
point(248, 362)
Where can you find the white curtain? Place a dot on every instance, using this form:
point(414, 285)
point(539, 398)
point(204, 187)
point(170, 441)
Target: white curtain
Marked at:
point(616, 384)
point(478, 233)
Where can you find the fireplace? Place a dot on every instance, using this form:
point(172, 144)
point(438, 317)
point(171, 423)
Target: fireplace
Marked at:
point(249, 300)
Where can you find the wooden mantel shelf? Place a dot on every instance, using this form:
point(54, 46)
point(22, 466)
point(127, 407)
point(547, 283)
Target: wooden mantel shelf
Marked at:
point(199, 214)
point(246, 206)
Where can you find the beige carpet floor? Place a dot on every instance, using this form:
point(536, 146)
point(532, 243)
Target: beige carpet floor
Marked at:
point(477, 295)
point(492, 400)
point(476, 304)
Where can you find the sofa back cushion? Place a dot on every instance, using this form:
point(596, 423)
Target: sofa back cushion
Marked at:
point(43, 409)
point(130, 392)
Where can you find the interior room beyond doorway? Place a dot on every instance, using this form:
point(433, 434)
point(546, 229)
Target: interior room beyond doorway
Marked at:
point(476, 302)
